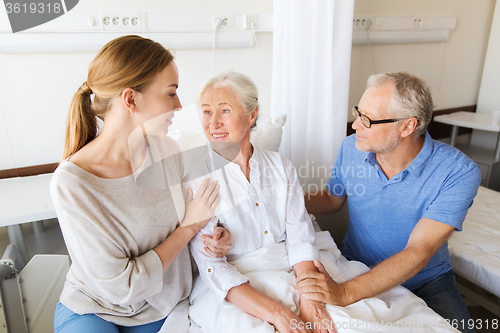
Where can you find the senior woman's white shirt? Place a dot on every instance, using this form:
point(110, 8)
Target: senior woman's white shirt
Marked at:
point(269, 209)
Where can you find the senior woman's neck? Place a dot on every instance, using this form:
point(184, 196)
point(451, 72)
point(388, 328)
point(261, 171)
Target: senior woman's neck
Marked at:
point(241, 157)
point(245, 154)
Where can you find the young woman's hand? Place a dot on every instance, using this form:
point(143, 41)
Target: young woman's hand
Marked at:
point(217, 245)
point(201, 208)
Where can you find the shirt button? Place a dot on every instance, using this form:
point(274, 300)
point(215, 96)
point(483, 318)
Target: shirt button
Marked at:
point(257, 204)
point(210, 269)
point(265, 232)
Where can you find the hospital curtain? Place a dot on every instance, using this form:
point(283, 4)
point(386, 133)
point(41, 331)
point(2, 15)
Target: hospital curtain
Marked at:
point(312, 42)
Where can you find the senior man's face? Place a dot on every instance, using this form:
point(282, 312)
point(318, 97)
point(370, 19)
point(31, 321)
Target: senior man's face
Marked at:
point(224, 117)
point(379, 138)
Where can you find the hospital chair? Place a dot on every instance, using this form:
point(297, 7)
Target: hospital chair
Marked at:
point(29, 294)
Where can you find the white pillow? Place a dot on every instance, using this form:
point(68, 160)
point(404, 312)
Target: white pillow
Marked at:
point(268, 133)
point(188, 132)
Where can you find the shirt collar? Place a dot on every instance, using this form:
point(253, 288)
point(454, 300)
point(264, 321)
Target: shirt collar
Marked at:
point(370, 158)
point(254, 160)
point(418, 163)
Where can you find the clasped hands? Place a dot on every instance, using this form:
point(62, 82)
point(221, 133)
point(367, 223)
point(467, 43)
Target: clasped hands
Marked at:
point(217, 245)
point(317, 289)
point(319, 286)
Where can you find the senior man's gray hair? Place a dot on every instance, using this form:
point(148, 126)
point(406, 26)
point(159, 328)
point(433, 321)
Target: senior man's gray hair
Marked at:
point(411, 98)
point(240, 84)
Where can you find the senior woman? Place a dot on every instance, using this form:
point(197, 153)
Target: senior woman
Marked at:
point(264, 210)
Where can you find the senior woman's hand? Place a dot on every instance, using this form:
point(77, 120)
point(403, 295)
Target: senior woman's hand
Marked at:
point(314, 313)
point(219, 244)
point(285, 321)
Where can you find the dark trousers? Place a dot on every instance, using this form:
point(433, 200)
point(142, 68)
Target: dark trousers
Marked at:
point(442, 296)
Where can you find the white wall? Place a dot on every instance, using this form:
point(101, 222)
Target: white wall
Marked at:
point(452, 69)
point(35, 89)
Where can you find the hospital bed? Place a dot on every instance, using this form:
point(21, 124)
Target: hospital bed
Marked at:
point(475, 252)
point(29, 293)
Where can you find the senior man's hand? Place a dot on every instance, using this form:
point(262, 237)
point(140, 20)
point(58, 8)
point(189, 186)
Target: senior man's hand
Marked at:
point(319, 286)
point(218, 244)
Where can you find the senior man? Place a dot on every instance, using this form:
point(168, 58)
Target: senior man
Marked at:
point(406, 194)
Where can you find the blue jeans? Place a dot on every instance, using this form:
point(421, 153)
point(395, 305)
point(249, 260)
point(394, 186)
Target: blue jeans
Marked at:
point(66, 321)
point(442, 295)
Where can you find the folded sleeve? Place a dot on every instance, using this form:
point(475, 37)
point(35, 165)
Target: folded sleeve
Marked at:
point(300, 236)
point(335, 185)
point(455, 197)
point(216, 273)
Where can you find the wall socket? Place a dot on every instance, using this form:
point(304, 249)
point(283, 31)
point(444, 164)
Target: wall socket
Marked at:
point(227, 20)
point(418, 22)
point(121, 21)
point(248, 19)
point(361, 22)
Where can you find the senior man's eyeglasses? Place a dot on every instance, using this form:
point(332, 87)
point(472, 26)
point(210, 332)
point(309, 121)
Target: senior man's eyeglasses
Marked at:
point(367, 122)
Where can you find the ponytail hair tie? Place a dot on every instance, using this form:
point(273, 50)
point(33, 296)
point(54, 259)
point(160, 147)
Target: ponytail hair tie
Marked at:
point(85, 89)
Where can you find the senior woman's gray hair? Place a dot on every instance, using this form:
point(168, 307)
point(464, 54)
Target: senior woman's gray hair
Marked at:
point(411, 98)
point(244, 88)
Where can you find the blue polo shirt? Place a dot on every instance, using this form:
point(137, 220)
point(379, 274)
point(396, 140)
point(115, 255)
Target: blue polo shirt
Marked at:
point(439, 184)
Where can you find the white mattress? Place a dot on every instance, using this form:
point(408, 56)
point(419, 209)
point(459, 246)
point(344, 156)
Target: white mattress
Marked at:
point(475, 252)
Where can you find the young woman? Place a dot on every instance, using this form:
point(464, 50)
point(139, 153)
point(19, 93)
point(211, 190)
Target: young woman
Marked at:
point(119, 201)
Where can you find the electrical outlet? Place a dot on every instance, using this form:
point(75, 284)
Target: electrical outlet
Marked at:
point(248, 19)
point(135, 21)
point(361, 22)
point(121, 21)
point(227, 21)
point(106, 20)
point(418, 22)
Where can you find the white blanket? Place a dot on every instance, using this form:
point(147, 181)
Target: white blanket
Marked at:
point(474, 252)
point(481, 227)
point(268, 270)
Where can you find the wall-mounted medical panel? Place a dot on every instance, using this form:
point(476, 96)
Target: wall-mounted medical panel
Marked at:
point(399, 37)
point(80, 42)
point(88, 31)
point(180, 22)
point(397, 23)
point(401, 29)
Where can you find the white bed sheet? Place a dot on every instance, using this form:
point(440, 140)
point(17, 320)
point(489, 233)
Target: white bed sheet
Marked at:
point(475, 251)
point(396, 310)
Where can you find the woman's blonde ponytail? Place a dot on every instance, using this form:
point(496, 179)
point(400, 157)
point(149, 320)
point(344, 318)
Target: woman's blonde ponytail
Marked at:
point(81, 125)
